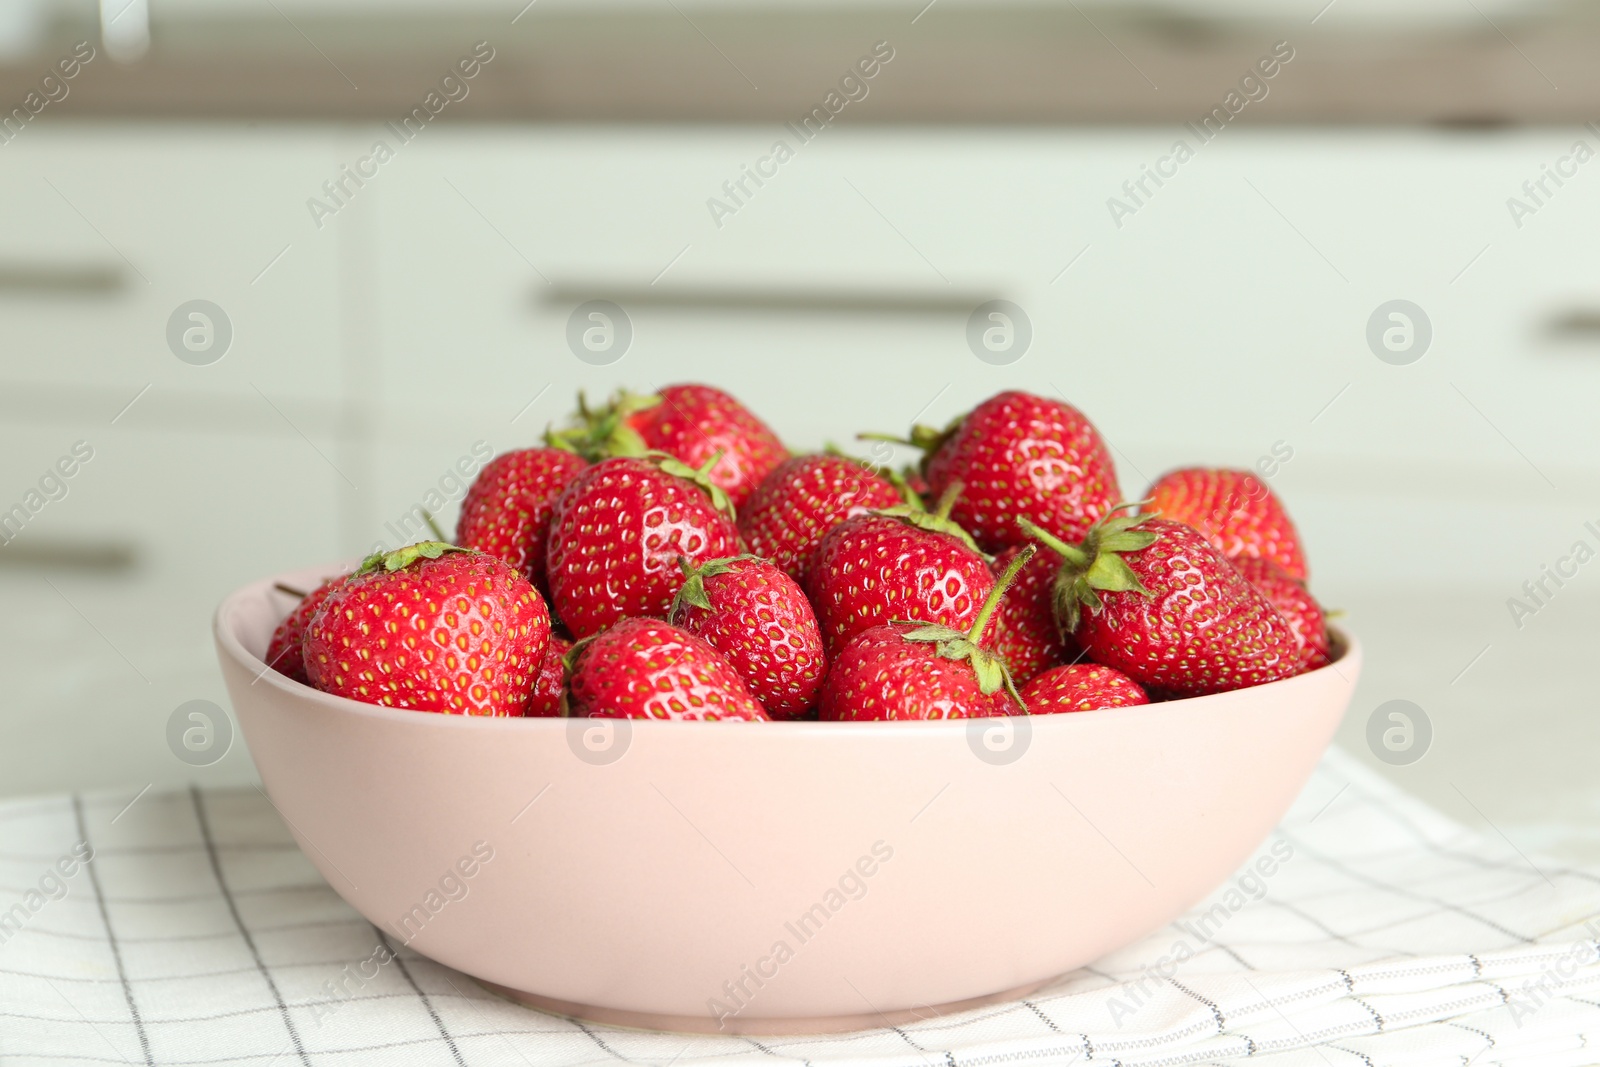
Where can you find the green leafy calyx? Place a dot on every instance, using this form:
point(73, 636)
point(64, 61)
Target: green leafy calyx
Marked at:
point(989, 667)
point(693, 590)
point(603, 433)
point(937, 520)
point(1096, 566)
point(401, 558)
point(669, 464)
point(928, 439)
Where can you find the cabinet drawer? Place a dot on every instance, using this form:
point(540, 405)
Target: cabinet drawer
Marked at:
point(109, 229)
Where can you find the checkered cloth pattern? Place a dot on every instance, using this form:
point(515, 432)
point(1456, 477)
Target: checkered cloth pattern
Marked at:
point(1369, 930)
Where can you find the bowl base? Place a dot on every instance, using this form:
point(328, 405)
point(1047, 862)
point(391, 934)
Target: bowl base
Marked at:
point(749, 1024)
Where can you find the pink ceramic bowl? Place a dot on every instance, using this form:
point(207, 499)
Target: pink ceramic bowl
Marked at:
point(771, 878)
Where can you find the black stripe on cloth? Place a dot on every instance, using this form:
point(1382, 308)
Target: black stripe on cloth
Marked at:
point(405, 972)
point(269, 1057)
point(244, 931)
point(68, 935)
point(1474, 1030)
point(1331, 932)
point(185, 1020)
point(111, 936)
point(1216, 1012)
point(598, 1040)
point(1362, 1056)
point(1462, 857)
point(1371, 1011)
point(1047, 1020)
point(190, 898)
point(1353, 873)
point(775, 1055)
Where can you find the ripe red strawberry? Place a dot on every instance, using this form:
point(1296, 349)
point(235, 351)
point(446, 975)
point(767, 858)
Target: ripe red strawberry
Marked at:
point(1236, 512)
point(910, 671)
point(1021, 455)
point(691, 423)
point(551, 681)
point(757, 617)
point(284, 650)
point(649, 669)
point(695, 422)
point(1081, 687)
point(431, 627)
point(901, 563)
point(617, 533)
point(801, 500)
point(1176, 615)
point(507, 510)
point(1295, 603)
point(1024, 630)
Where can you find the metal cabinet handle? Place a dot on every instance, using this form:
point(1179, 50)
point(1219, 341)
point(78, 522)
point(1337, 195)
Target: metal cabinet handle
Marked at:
point(64, 279)
point(773, 299)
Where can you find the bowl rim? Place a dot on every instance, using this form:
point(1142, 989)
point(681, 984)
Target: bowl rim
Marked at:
point(1346, 648)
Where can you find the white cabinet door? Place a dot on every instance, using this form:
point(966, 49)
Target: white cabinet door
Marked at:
point(203, 474)
point(109, 229)
point(1227, 314)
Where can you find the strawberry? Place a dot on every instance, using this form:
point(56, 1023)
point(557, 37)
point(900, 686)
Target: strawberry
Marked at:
point(1024, 630)
point(1236, 512)
point(1295, 603)
point(691, 423)
point(617, 532)
point(801, 500)
point(1176, 615)
point(284, 650)
point(910, 671)
point(506, 512)
point(1020, 455)
point(545, 700)
point(431, 627)
point(901, 563)
point(1081, 687)
point(694, 422)
point(649, 669)
point(757, 617)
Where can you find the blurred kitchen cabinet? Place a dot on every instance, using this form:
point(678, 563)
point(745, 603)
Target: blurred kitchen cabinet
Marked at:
point(209, 465)
point(109, 229)
point(1223, 309)
point(109, 587)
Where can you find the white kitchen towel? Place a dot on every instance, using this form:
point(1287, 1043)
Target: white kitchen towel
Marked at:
point(1380, 934)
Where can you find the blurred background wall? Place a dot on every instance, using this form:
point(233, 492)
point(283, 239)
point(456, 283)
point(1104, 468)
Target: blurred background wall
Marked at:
point(368, 322)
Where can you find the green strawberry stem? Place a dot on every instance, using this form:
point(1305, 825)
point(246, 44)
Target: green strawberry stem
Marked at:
point(693, 589)
point(926, 438)
point(1070, 553)
point(433, 526)
point(990, 667)
point(569, 663)
point(291, 590)
point(403, 557)
point(603, 433)
point(901, 486)
point(670, 464)
point(1096, 565)
point(938, 521)
point(1001, 584)
point(947, 499)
